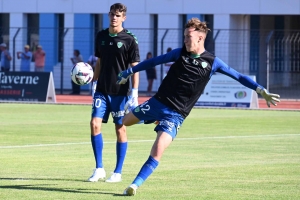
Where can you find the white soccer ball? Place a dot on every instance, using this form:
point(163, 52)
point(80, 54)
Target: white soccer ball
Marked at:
point(82, 73)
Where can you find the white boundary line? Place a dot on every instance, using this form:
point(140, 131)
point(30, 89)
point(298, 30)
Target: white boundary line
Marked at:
point(195, 107)
point(141, 141)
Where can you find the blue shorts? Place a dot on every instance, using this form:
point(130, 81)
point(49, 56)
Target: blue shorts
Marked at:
point(104, 104)
point(152, 110)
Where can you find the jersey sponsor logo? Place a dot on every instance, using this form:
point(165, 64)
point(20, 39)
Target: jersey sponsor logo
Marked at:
point(195, 62)
point(119, 44)
point(186, 59)
point(120, 113)
point(204, 64)
point(189, 60)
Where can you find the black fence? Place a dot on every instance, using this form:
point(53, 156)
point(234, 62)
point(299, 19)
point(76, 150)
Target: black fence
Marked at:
point(273, 56)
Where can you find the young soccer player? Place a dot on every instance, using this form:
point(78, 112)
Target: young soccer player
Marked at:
point(180, 89)
point(116, 49)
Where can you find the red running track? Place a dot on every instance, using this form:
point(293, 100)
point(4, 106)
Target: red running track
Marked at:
point(86, 99)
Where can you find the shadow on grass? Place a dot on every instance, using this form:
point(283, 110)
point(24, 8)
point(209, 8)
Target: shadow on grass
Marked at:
point(42, 179)
point(44, 188)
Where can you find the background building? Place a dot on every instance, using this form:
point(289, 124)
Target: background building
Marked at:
point(257, 37)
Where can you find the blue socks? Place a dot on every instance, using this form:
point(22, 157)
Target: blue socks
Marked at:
point(121, 149)
point(145, 171)
point(97, 144)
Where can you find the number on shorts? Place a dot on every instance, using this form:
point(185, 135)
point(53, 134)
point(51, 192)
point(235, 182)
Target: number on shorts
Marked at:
point(147, 108)
point(97, 103)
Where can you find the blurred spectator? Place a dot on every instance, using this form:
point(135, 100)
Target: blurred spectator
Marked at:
point(5, 58)
point(39, 59)
point(25, 57)
point(77, 57)
point(151, 75)
point(168, 65)
point(92, 61)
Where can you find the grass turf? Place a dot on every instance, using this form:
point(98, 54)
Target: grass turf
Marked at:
point(45, 153)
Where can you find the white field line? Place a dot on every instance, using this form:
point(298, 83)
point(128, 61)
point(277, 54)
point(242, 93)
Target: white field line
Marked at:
point(141, 141)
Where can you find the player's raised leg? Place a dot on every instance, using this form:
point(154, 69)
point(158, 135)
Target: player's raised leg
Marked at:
point(130, 119)
point(163, 140)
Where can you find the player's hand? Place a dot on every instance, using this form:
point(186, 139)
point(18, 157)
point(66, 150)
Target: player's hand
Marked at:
point(269, 97)
point(132, 102)
point(124, 75)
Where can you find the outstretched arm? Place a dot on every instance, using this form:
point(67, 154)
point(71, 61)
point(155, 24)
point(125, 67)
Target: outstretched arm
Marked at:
point(220, 66)
point(147, 64)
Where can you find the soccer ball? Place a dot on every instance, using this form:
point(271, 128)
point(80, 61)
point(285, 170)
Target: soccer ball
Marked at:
point(82, 73)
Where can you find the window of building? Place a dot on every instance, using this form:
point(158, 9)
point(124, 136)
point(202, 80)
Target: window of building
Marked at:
point(33, 25)
point(4, 28)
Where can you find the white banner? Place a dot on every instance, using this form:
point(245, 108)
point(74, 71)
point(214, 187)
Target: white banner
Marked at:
point(223, 91)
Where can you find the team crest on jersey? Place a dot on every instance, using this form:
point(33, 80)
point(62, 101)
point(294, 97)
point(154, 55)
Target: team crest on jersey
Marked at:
point(137, 109)
point(119, 44)
point(204, 64)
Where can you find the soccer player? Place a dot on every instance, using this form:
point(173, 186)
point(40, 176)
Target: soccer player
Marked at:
point(179, 91)
point(117, 50)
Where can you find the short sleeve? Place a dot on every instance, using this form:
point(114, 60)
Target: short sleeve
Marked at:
point(134, 53)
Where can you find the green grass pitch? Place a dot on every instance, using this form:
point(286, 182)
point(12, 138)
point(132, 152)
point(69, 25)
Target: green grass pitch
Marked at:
point(45, 153)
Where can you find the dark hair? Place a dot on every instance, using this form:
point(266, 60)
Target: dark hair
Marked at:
point(169, 49)
point(119, 7)
point(149, 53)
point(77, 52)
point(198, 25)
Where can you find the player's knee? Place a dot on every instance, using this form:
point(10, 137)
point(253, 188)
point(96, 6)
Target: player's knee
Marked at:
point(95, 126)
